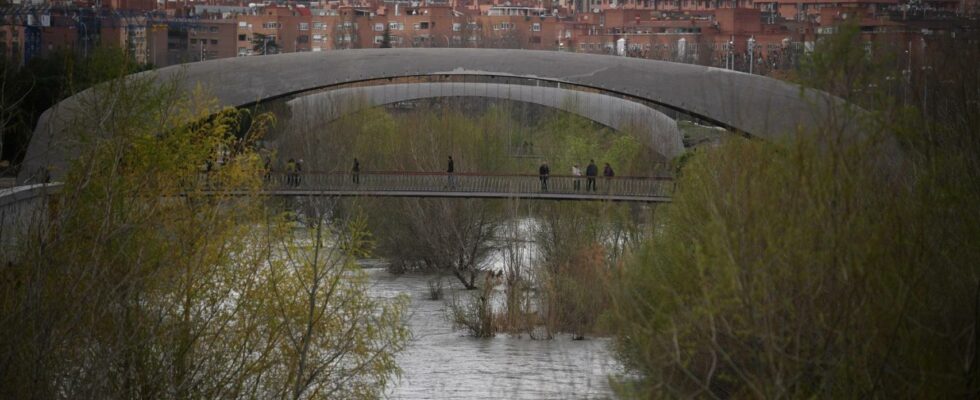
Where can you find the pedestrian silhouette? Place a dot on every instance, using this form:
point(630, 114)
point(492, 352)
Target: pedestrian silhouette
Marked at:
point(543, 173)
point(355, 172)
point(450, 169)
point(590, 173)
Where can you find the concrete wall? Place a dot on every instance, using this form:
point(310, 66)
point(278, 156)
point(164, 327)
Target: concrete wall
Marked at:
point(23, 210)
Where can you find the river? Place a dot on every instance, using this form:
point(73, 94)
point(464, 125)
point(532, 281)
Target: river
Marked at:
point(442, 363)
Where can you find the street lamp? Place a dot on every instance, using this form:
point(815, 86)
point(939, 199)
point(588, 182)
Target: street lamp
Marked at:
point(730, 63)
point(751, 46)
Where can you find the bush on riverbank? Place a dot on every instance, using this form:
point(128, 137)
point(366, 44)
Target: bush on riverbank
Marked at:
point(823, 266)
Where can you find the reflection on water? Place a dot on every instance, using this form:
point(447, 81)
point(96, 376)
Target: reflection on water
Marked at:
point(441, 363)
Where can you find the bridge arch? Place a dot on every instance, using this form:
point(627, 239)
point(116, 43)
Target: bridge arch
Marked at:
point(752, 104)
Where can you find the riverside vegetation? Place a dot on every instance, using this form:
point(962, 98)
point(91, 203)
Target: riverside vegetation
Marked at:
point(823, 265)
point(143, 286)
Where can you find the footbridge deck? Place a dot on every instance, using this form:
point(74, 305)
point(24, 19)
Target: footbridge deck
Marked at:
point(470, 185)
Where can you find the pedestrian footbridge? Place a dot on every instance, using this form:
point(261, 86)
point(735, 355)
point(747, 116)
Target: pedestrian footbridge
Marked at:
point(466, 185)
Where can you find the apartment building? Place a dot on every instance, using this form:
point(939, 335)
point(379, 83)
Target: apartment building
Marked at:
point(129, 34)
point(728, 33)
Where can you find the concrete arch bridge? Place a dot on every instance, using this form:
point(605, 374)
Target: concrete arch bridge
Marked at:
point(646, 90)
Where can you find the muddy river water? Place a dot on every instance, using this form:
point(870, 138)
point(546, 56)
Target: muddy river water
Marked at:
point(443, 363)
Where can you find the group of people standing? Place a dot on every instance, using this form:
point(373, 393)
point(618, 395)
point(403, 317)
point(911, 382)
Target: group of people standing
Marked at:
point(293, 169)
point(591, 172)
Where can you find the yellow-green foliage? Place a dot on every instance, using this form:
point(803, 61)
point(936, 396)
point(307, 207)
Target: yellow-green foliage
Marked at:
point(148, 284)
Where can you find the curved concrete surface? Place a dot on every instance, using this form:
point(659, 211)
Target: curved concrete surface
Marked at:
point(614, 112)
point(757, 105)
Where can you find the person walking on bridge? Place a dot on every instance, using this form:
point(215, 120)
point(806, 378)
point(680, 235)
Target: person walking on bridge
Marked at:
point(449, 173)
point(607, 172)
point(299, 171)
point(590, 173)
point(577, 176)
point(291, 176)
point(355, 172)
point(543, 172)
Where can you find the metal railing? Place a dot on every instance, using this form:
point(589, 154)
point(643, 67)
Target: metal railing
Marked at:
point(461, 183)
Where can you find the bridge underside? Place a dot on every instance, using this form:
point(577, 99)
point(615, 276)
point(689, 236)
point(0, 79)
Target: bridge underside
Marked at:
point(313, 110)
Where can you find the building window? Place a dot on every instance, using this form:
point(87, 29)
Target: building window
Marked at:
point(214, 41)
point(213, 29)
point(302, 39)
point(396, 26)
point(242, 37)
point(317, 38)
point(193, 41)
point(270, 25)
point(242, 24)
point(378, 39)
point(424, 25)
point(457, 26)
point(536, 27)
point(379, 27)
point(304, 26)
point(319, 26)
point(534, 40)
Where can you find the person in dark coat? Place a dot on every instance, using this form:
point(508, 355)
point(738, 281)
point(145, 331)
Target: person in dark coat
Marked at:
point(590, 173)
point(355, 172)
point(607, 172)
point(299, 171)
point(543, 172)
point(450, 169)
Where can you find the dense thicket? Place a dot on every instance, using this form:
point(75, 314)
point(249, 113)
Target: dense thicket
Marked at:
point(831, 265)
point(146, 283)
